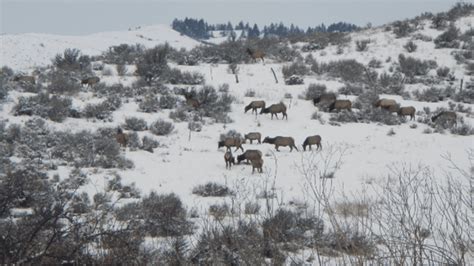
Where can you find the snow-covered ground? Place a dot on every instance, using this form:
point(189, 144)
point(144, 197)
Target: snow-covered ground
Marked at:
point(180, 164)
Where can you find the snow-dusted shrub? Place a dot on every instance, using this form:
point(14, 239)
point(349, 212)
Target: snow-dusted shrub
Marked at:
point(86, 149)
point(148, 144)
point(135, 124)
point(252, 208)
point(448, 39)
point(212, 189)
point(294, 80)
point(72, 61)
point(466, 95)
point(374, 63)
point(442, 72)
point(288, 226)
point(379, 115)
point(161, 127)
point(163, 215)
point(348, 70)
point(250, 93)
point(181, 114)
point(414, 67)
point(422, 37)
point(219, 211)
point(362, 45)
point(168, 101)
point(224, 88)
point(462, 129)
point(391, 132)
point(108, 71)
point(439, 21)
point(133, 141)
point(313, 46)
point(433, 94)
point(99, 111)
point(153, 63)
point(123, 54)
point(314, 90)
point(149, 104)
point(44, 105)
point(402, 28)
point(230, 134)
point(296, 68)
point(213, 104)
point(63, 83)
point(351, 89)
point(410, 46)
point(121, 69)
point(344, 116)
point(176, 76)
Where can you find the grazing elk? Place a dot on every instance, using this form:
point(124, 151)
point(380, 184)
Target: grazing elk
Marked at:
point(249, 155)
point(341, 105)
point(325, 99)
point(229, 159)
point(387, 104)
point(255, 54)
point(253, 136)
point(231, 142)
point(408, 110)
point(312, 140)
point(254, 105)
point(26, 79)
point(274, 109)
point(122, 138)
point(90, 81)
point(281, 141)
point(445, 117)
point(257, 164)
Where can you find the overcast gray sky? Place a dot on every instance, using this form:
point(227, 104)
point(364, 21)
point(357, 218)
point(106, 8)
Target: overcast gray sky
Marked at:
point(76, 17)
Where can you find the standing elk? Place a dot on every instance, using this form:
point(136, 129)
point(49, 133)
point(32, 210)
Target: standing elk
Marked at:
point(253, 136)
point(445, 117)
point(122, 138)
point(229, 159)
point(254, 105)
point(257, 164)
point(255, 54)
point(408, 110)
point(249, 155)
point(231, 142)
point(387, 104)
point(281, 141)
point(90, 81)
point(341, 105)
point(312, 140)
point(274, 109)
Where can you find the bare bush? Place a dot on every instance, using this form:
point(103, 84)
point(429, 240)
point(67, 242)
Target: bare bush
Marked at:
point(362, 45)
point(135, 124)
point(212, 189)
point(410, 46)
point(161, 127)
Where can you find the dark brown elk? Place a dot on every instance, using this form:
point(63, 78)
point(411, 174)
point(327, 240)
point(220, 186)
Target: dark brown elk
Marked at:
point(26, 79)
point(229, 159)
point(312, 140)
point(253, 136)
point(231, 142)
point(387, 104)
point(325, 99)
point(191, 101)
point(254, 105)
point(341, 105)
point(408, 110)
point(249, 155)
point(281, 141)
point(122, 138)
point(90, 81)
point(445, 117)
point(255, 54)
point(274, 109)
point(257, 164)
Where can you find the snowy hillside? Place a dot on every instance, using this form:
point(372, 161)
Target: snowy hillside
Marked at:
point(363, 160)
point(26, 51)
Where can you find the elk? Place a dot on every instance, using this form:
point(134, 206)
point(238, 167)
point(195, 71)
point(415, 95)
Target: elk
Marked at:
point(255, 54)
